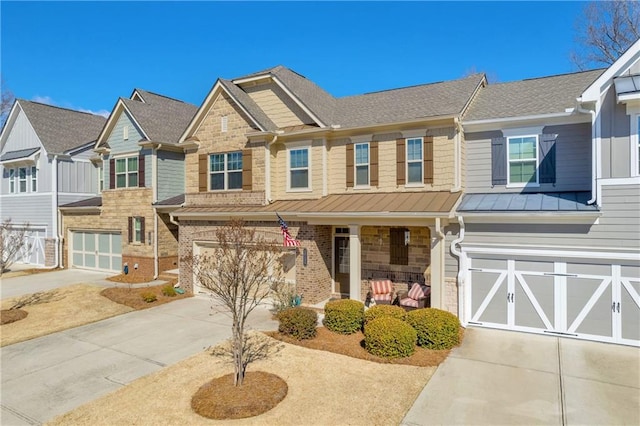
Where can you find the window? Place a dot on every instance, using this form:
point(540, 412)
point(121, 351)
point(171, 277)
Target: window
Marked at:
point(100, 178)
point(299, 168)
point(127, 172)
point(12, 181)
point(136, 229)
point(34, 179)
point(225, 171)
point(22, 179)
point(125, 133)
point(361, 153)
point(522, 153)
point(399, 249)
point(414, 160)
point(224, 123)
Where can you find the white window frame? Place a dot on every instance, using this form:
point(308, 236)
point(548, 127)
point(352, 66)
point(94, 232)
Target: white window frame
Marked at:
point(537, 163)
point(12, 181)
point(22, 180)
point(136, 232)
point(299, 147)
point(225, 172)
point(407, 161)
point(127, 172)
point(34, 179)
point(356, 165)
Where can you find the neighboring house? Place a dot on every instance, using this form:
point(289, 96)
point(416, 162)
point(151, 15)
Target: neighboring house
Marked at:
point(141, 174)
point(44, 153)
point(550, 219)
point(367, 184)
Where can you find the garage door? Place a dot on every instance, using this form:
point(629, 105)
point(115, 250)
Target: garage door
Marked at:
point(96, 250)
point(32, 252)
point(582, 298)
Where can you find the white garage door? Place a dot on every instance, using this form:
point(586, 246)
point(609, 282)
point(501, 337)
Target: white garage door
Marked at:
point(32, 252)
point(582, 298)
point(96, 250)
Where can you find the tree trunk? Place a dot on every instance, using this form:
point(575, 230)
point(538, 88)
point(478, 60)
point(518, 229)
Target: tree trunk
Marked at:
point(238, 354)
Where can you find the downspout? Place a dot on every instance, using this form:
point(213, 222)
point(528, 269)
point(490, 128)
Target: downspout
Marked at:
point(456, 250)
point(54, 208)
point(595, 146)
point(457, 152)
point(154, 179)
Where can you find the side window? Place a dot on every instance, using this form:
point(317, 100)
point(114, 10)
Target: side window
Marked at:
point(22, 179)
point(361, 162)
point(12, 181)
point(298, 166)
point(34, 179)
point(522, 155)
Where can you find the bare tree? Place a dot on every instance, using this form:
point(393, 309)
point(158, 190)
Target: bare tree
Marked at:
point(239, 272)
point(6, 101)
point(13, 240)
point(605, 31)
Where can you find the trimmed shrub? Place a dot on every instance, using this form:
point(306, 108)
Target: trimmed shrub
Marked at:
point(299, 323)
point(436, 329)
point(378, 311)
point(149, 297)
point(389, 337)
point(344, 316)
point(168, 290)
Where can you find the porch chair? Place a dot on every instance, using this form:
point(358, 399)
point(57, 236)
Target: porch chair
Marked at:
point(382, 292)
point(415, 298)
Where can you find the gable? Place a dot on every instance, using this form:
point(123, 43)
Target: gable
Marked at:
point(19, 133)
point(115, 139)
point(627, 64)
point(277, 105)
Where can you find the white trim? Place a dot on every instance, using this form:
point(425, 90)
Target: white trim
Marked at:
point(552, 253)
point(542, 119)
point(33, 178)
point(224, 124)
point(585, 217)
point(635, 144)
point(634, 180)
point(522, 132)
point(125, 132)
point(406, 162)
point(225, 172)
point(536, 160)
point(20, 180)
point(297, 147)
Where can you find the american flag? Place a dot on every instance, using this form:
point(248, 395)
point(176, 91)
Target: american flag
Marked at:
point(289, 241)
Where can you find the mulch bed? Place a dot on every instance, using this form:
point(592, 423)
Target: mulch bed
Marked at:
point(353, 345)
point(7, 316)
point(132, 278)
point(219, 399)
point(132, 297)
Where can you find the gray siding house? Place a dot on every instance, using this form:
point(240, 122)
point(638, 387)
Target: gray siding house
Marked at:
point(44, 157)
point(141, 179)
point(549, 237)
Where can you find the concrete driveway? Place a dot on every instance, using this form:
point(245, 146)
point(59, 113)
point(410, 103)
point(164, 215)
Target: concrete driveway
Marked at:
point(500, 377)
point(43, 281)
point(50, 375)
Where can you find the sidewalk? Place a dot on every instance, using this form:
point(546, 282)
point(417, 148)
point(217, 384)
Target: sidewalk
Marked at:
point(501, 377)
point(50, 375)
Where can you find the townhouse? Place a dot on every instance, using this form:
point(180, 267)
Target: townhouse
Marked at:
point(44, 154)
point(140, 169)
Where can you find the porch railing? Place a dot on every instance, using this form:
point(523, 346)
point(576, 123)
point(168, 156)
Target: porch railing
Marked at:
point(395, 276)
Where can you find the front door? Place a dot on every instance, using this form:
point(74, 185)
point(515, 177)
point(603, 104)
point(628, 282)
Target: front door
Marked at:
point(341, 264)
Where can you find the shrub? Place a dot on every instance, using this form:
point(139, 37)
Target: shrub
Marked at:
point(437, 329)
point(169, 291)
point(149, 297)
point(378, 311)
point(344, 316)
point(299, 323)
point(389, 337)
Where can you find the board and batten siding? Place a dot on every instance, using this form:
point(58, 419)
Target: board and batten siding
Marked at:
point(573, 160)
point(615, 139)
point(170, 174)
point(618, 227)
point(33, 209)
point(77, 176)
point(116, 141)
point(22, 135)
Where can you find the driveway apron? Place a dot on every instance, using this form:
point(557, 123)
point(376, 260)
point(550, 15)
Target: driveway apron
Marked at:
point(50, 375)
point(44, 281)
point(500, 377)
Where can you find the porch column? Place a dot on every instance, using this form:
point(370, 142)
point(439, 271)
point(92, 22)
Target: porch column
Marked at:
point(354, 262)
point(437, 267)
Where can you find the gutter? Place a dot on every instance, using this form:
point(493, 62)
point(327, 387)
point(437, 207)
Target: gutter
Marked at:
point(54, 209)
point(595, 148)
point(457, 153)
point(456, 250)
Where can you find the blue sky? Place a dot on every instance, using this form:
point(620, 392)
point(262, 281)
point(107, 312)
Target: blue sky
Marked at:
point(84, 55)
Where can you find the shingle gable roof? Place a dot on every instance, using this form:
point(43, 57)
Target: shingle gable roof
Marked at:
point(162, 119)
point(61, 129)
point(252, 108)
point(537, 96)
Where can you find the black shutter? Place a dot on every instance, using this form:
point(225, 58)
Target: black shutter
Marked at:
point(141, 171)
point(130, 230)
point(142, 230)
point(499, 161)
point(547, 170)
point(112, 174)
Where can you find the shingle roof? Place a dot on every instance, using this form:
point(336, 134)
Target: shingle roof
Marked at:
point(422, 101)
point(87, 202)
point(163, 119)
point(252, 108)
point(22, 153)
point(530, 97)
point(527, 202)
point(61, 129)
point(173, 201)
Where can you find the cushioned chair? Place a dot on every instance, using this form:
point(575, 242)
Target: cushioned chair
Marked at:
point(382, 292)
point(415, 298)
